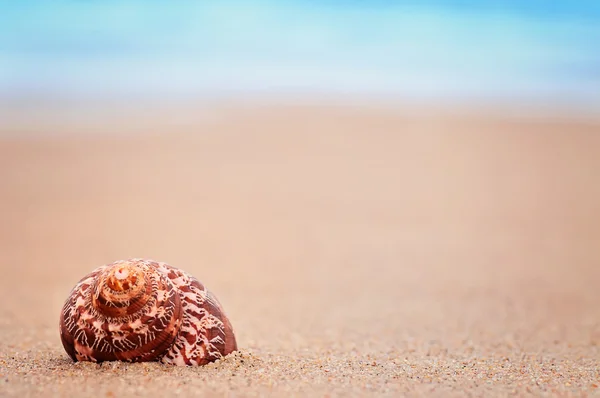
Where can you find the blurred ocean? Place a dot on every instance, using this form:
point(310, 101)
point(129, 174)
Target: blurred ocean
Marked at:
point(535, 50)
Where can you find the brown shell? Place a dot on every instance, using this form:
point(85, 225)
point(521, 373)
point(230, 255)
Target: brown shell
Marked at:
point(142, 310)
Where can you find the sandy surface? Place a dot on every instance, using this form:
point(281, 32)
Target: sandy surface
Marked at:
point(355, 251)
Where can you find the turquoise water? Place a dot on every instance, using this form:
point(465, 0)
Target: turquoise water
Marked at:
point(416, 49)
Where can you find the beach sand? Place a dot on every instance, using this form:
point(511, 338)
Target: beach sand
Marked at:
point(357, 251)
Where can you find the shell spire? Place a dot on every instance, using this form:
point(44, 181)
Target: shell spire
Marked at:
point(142, 310)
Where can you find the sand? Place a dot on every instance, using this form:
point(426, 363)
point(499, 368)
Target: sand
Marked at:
point(356, 251)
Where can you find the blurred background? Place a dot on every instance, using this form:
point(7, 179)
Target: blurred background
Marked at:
point(404, 177)
point(434, 49)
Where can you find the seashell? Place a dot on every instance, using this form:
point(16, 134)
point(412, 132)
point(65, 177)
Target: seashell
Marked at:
point(141, 310)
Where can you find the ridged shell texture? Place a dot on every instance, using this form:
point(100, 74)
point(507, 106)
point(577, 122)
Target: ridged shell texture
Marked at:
point(142, 310)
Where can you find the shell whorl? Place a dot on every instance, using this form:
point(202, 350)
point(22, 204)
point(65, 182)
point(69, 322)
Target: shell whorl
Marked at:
point(141, 310)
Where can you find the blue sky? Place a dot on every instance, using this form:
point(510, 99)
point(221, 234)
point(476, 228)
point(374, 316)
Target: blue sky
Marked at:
point(430, 48)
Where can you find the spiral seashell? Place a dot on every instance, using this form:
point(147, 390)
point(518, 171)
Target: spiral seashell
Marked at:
point(141, 310)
